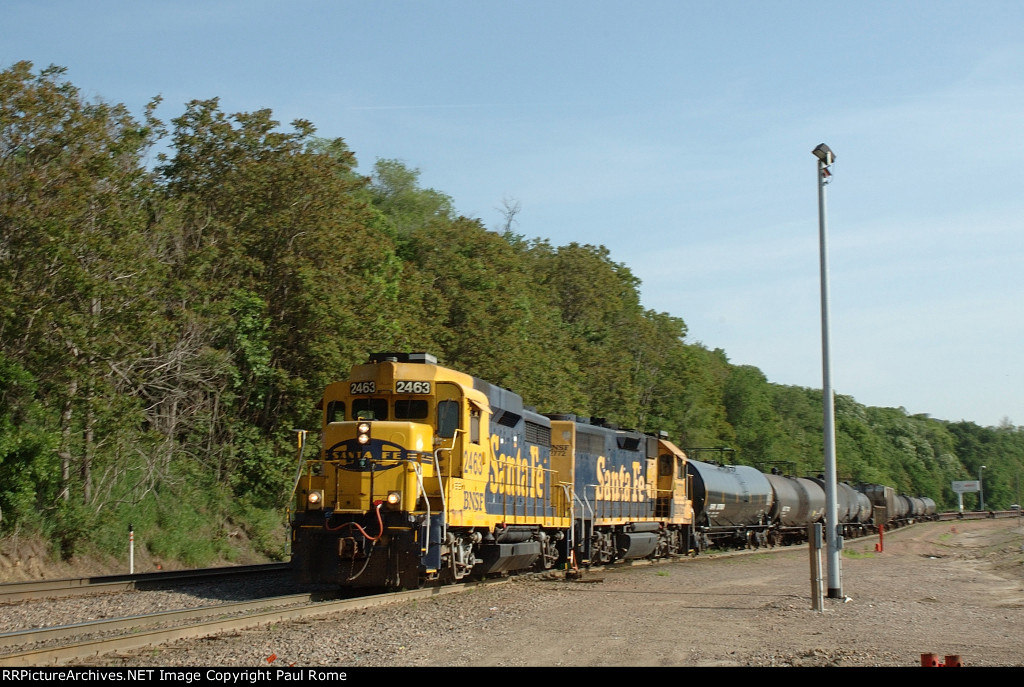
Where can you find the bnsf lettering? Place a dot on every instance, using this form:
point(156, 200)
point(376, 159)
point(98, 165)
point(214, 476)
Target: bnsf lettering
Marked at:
point(363, 388)
point(473, 500)
point(412, 387)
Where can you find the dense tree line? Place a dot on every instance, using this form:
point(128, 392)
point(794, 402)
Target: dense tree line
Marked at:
point(166, 323)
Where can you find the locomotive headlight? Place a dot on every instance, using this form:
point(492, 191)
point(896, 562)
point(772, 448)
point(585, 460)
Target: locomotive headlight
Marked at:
point(315, 500)
point(363, 429)
point(394, 499)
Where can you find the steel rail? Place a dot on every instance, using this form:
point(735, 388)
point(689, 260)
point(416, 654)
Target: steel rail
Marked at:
point(137, 640)
point(34, 589)
point(43, 634)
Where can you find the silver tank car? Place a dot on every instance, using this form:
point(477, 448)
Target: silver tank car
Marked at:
point(731, 503)
point(847, 505)
point(905, 509)
point(864, 508)
point(798, 501)
point(917, 508)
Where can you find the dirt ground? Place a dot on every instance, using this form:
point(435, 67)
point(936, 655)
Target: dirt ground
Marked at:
point(950, 588)
point(954, 588)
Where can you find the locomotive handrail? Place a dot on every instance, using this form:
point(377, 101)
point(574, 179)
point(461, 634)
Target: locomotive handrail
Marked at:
point(300, 438)
point(583, 520)
point(570, 498)
point(443, 488)
point(418, 469)
point(586, 501)
point(632, 508)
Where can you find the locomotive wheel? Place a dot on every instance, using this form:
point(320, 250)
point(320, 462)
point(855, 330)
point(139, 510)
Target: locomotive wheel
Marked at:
point(602, 550)
point(549, 555)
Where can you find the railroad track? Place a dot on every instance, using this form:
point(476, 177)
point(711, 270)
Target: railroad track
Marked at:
point(979, 515)
point(84, 641)
point(64, 644)
point(48, 589)
point(97, 638)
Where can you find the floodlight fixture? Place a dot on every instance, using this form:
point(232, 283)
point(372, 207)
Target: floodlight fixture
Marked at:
point(824, 153)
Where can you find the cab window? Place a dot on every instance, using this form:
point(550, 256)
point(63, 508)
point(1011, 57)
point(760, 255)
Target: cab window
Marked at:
point(474, 426)
point(447, 419)
point(369, 409)
point(335, 411)
point(411, 409)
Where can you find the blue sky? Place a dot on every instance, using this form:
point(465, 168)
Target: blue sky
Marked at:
point(677, 134)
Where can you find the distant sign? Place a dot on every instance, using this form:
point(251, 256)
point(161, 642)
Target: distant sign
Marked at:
point(967, 487)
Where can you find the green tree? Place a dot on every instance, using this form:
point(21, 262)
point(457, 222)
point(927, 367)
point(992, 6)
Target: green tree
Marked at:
point(281, 261)
point(601, 315)
point(488, 317)
point(76, 278)
point(749, 408)
point(395, 190)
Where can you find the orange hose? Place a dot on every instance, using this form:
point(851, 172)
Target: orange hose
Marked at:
point(357, 526)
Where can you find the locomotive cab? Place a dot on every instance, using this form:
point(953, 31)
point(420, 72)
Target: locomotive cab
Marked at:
point(425, 474)
point(367, 504)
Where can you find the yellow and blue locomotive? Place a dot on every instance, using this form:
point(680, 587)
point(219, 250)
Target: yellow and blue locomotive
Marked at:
point(430, 474)
point(630, 491)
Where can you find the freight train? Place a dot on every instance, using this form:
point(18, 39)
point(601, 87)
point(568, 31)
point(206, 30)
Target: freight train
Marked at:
point(737, 505)
point(430, 475)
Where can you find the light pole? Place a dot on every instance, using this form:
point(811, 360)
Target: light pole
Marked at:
point(835, 540)
point(981, 488)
